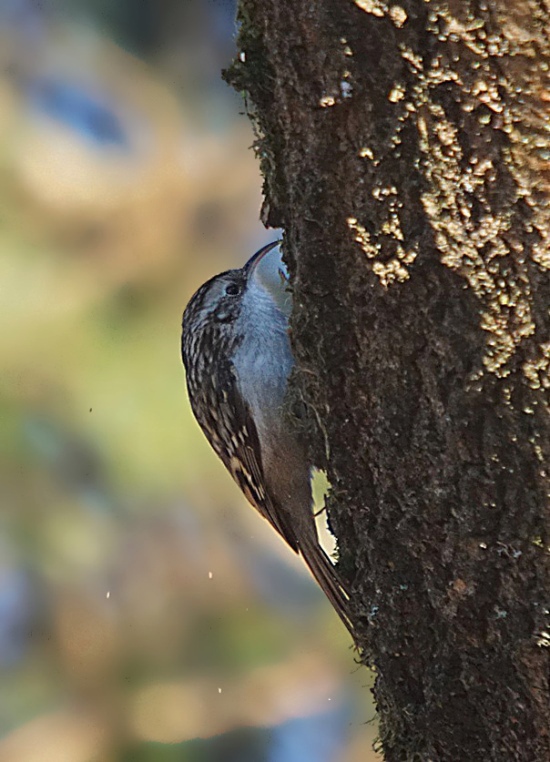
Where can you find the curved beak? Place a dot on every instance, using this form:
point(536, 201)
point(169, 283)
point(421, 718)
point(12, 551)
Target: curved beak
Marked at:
point(256, 258)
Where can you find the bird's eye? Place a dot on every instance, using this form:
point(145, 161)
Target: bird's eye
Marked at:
point(232, 289)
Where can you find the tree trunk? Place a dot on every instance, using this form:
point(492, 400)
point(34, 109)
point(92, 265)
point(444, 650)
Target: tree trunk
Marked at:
point(406, 153)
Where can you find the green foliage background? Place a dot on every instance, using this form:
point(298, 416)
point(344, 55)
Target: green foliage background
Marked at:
point(143, 606)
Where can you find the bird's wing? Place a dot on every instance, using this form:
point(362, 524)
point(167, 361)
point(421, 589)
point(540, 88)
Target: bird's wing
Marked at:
point(230, 429)
point(236, 442)
point(249, 474)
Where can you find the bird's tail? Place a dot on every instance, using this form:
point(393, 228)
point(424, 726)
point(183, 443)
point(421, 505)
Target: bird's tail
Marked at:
point(328, 580)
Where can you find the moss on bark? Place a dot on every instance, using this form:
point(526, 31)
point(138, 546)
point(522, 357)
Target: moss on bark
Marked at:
point(405, 151)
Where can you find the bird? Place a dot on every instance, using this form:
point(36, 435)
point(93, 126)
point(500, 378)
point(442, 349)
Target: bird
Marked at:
point(237, 356)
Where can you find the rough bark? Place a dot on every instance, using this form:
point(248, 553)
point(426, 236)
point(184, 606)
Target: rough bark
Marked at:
point(406, 153)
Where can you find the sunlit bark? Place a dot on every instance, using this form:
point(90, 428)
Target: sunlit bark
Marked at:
point(406, 153)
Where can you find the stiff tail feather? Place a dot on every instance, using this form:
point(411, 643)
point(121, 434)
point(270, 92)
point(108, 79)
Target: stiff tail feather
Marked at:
point(328, 580)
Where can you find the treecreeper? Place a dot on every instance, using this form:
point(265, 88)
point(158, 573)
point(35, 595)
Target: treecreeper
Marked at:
point(238, 358)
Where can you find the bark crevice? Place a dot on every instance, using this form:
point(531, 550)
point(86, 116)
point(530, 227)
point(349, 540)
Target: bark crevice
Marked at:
point(406, 153)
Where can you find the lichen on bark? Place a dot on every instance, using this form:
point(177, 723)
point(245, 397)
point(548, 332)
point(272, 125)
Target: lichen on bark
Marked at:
point(405, 152)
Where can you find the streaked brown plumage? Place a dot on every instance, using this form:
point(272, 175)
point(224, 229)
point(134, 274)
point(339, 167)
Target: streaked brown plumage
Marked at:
point(237, 355)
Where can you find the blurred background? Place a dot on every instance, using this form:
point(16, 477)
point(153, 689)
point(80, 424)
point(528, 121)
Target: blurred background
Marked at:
point(146, 612)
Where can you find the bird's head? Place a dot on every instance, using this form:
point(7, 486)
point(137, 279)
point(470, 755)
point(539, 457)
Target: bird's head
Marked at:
point(220, 299)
